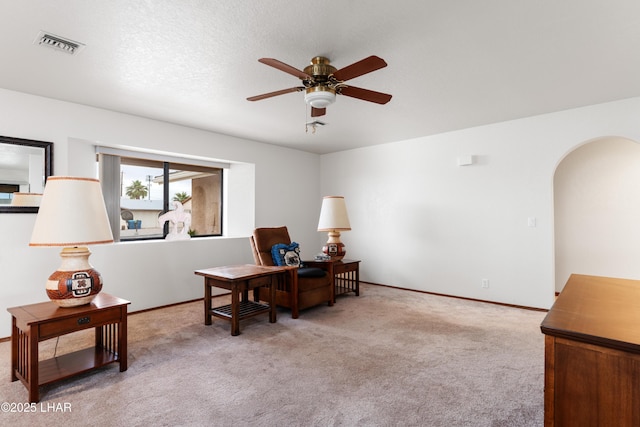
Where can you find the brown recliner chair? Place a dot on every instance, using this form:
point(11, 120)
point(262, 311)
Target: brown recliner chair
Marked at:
point(302, 287)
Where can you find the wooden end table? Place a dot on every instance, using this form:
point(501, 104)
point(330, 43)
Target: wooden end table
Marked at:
point(34, 323)
point(240, 279)
point(345, 272)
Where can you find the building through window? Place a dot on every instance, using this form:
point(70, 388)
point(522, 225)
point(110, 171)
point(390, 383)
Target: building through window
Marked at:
point(138, 190)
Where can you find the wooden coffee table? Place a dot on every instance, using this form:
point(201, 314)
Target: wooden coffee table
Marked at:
point(240, 279)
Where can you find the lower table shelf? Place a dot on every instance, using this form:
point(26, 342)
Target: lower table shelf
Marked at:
point(246, 309)
point(68, 365)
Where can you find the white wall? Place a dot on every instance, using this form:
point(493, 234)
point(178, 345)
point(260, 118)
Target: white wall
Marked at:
point(419, 221)
point(283, 190)
point(597, 211)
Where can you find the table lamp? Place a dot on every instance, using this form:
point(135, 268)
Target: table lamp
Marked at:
point(334, 219)
point(72, 214)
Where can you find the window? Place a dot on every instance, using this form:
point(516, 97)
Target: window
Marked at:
point(139, 189)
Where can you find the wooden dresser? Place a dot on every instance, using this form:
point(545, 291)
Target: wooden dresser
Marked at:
point(592, 354)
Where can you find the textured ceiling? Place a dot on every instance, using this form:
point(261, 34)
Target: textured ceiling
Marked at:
point(452, 64)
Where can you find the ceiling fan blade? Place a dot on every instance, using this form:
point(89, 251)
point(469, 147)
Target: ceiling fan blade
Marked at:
point(317, 112)
point(359, 68)
point(285, 67)
point(276, 93)
point(365, 94)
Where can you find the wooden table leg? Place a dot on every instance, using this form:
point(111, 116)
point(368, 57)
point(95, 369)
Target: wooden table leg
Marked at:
point(272, 298)
point(99, 333)
point(122, 340)
point(235, 310)
point(34, 392)
point(15, 336)
point(207, 302)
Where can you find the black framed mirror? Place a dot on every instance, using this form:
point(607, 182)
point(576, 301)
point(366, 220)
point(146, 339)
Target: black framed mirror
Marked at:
point(25, 165)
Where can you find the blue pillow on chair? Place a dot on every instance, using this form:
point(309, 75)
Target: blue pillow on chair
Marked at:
point(289, 255)
point(286, 255)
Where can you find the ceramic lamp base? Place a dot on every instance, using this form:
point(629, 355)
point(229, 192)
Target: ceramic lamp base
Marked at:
point(334, 247)
point(76, 282)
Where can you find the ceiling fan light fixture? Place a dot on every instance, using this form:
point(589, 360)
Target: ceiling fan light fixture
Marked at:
point(320, 96)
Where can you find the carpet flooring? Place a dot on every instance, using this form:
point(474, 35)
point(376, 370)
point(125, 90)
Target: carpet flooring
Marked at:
point(388, 357)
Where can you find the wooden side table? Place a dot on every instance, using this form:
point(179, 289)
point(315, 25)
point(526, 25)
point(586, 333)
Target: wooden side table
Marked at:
point(34, 323)
point(346, 275)
point(240, 279)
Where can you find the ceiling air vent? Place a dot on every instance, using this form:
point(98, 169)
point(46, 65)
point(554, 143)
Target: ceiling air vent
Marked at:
point(58, 43)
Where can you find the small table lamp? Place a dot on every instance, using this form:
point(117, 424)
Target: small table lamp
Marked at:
point(72, 214)
point(334, 219)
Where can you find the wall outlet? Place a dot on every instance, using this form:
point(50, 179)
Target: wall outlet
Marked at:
point(485, 283)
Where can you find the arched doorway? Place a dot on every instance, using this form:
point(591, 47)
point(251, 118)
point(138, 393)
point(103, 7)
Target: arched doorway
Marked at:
point(597, 211)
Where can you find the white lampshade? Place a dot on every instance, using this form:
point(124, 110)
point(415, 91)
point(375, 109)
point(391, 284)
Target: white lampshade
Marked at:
point(333, 214)
point(26, 199)
point(71, 213)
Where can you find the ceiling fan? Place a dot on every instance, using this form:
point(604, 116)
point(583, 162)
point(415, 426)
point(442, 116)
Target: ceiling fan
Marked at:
point(322, 82)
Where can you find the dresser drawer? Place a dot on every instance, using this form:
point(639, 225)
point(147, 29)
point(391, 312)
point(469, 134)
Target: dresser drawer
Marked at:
point(81, 321)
